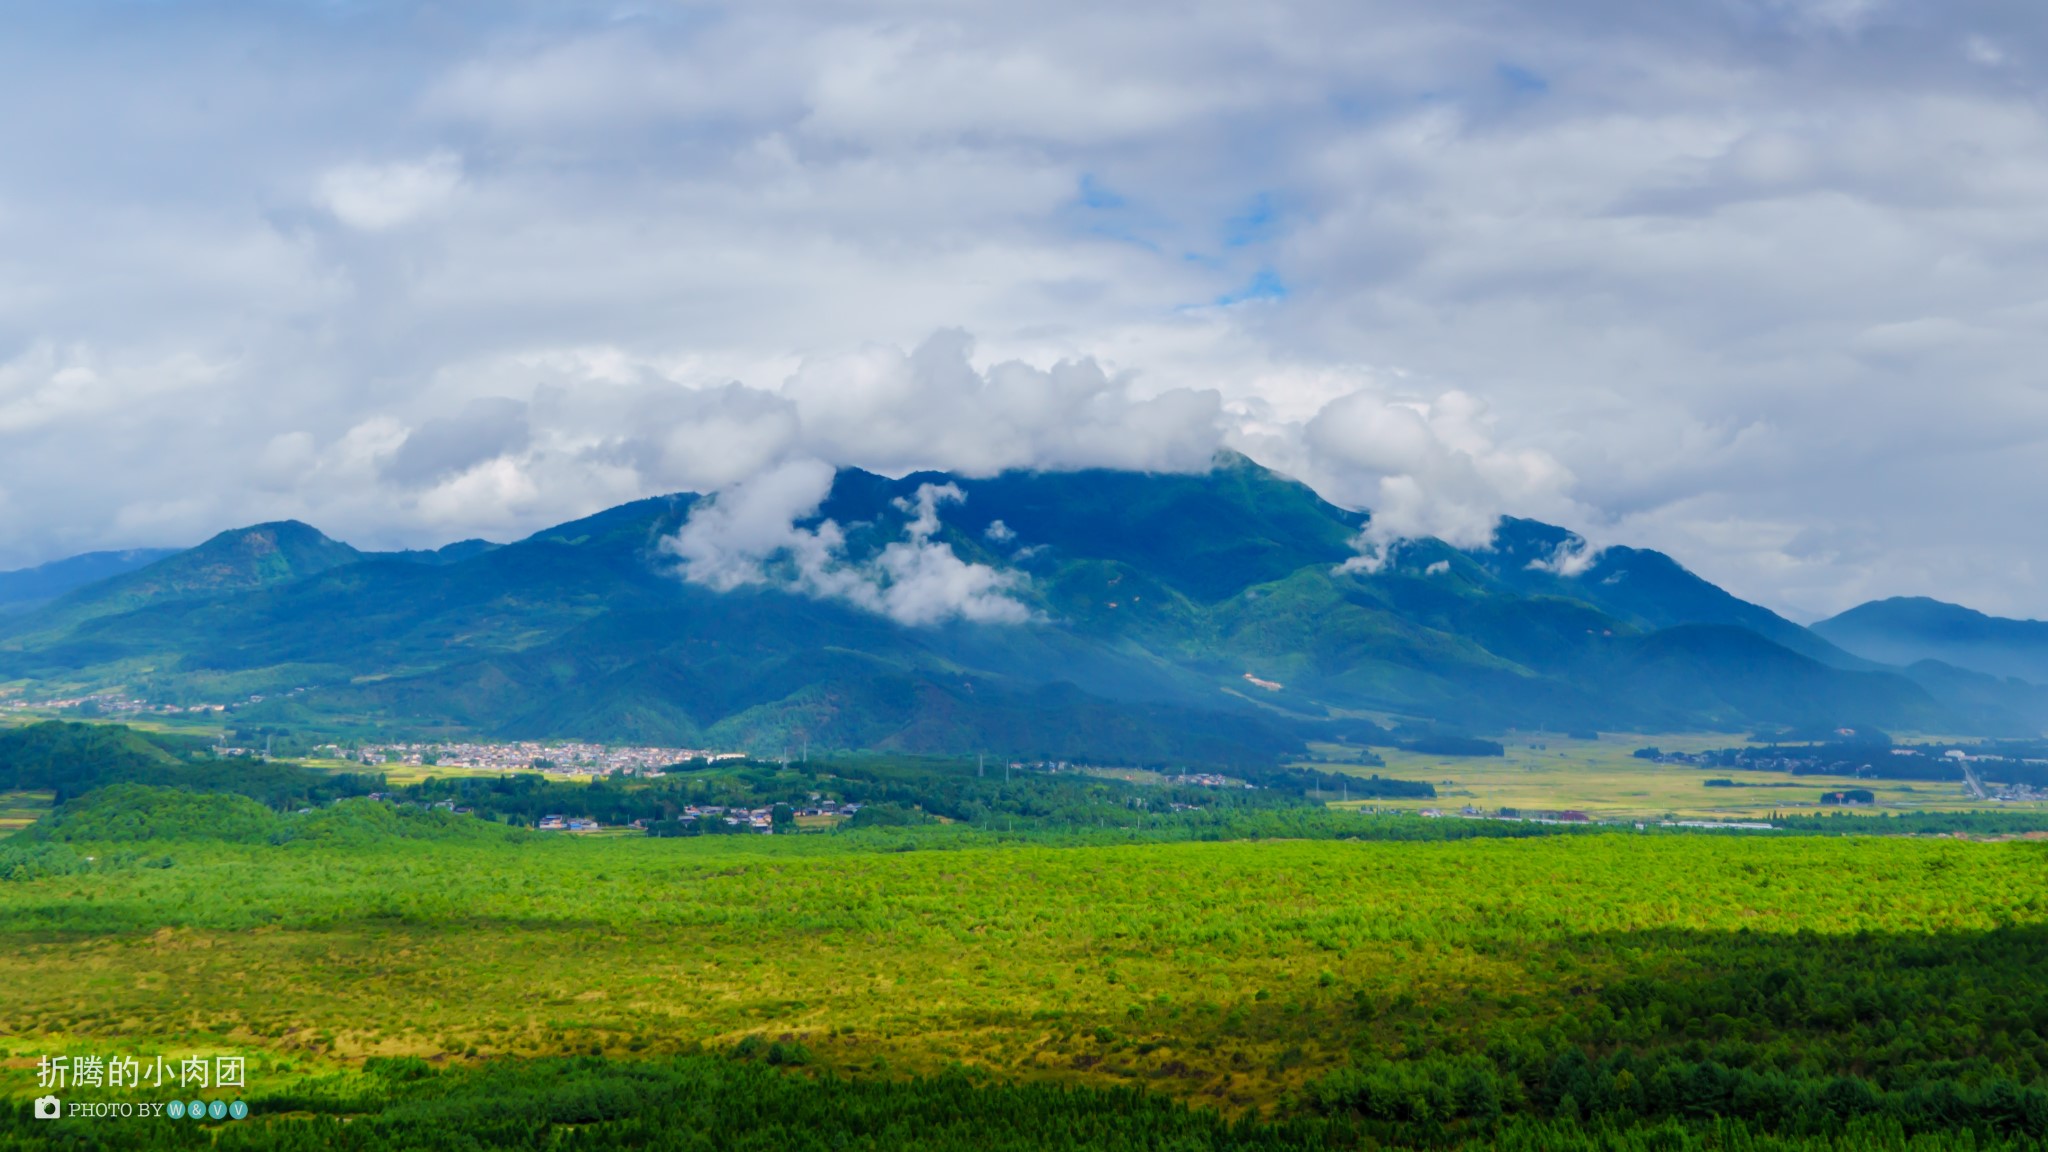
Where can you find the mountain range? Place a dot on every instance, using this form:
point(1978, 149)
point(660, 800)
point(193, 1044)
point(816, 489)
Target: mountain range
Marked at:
point(1207, 618)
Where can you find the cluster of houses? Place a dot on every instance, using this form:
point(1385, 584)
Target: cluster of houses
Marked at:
point(1573, 816)
point(563, 756)
point(1206, 780)
point(760, 820)
point(1516, 815)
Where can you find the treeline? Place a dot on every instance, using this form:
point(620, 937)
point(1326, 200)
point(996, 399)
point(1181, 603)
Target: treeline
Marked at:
point(705, 1103)
point(987, 796)
point(1969, 823)
point(143, 813)
point(1875, 757)
point(72, 759)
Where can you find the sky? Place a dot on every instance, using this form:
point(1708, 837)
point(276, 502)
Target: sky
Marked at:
point(1760, 283)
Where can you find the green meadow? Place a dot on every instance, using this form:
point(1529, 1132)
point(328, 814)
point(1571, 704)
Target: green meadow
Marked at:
point(1252, 977)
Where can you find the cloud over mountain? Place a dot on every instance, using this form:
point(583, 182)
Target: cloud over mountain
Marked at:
point(748, 535)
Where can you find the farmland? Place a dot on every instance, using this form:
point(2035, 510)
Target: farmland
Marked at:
point(1601, 778)
point(20, 809)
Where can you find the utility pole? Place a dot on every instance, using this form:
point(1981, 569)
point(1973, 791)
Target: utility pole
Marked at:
point(980, 765)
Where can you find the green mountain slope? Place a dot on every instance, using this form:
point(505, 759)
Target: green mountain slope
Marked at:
point(1175, 618)
point(234, 561)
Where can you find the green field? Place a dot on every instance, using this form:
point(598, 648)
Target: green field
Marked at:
point(1232, 974)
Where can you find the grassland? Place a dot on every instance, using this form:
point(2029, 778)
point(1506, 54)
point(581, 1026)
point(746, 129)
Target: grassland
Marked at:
point(1226, 972)
point(1601, 778)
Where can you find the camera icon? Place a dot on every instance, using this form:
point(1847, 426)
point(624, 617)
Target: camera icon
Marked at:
point(48, 1108)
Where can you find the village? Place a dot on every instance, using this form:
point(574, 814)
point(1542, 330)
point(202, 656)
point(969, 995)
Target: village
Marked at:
point(755, 820)
point(571, 758)
point(1574, 816)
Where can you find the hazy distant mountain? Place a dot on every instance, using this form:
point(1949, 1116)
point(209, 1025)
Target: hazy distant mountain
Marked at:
point(1174, 617)
point(1907, 629)
point(25, 588)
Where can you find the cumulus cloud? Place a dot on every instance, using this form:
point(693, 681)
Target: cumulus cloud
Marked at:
point(1423, 469)
point(931, 407)
point(374, 197)
point(655, 426)
point(748, 535)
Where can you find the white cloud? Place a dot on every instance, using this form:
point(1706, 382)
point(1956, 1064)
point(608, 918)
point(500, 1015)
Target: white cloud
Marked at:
point(374, 197)
point(923, 582)
point(748, 535)
point(1424, 469)
point(1571, 558)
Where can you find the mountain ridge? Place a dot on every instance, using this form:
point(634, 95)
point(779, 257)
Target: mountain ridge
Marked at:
point(1155, 599)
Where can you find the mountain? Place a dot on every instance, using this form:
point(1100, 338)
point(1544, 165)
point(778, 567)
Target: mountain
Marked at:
point(1909, 629)
point(27, 588)
point(1171, 618)
point(235, 561)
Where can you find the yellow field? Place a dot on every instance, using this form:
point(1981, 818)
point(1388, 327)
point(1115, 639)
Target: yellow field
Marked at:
point(18, 810)
point(401, 775)
point(1601, 778)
